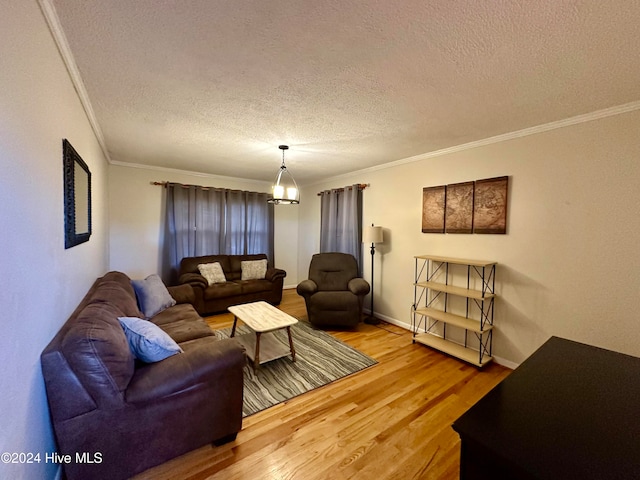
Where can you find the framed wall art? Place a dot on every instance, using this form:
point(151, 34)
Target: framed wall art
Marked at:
point(433, 206)
point(490, 205)
point(77, 197)
point(459, 208)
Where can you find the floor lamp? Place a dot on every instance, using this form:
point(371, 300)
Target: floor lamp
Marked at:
point(372, 235)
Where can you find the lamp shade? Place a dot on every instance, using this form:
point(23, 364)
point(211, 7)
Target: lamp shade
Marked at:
point(372, 234)
point(284, 189)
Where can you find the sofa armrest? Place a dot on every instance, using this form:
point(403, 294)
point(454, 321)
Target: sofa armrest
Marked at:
point(306, 288)
point(358, 286)
point(183, 293)
point(274, 274)
point(194, 279)
point(211, 362)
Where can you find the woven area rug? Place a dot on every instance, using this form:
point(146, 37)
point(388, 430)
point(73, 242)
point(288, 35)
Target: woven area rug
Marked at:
point(320, 359)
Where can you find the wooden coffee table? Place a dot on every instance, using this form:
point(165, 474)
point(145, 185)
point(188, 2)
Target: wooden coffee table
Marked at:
point(262, 317)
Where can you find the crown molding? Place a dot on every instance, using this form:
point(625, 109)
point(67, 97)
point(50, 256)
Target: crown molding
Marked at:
point(50, 15)
point(179, 171)
point(525, 132)
point(578, 119)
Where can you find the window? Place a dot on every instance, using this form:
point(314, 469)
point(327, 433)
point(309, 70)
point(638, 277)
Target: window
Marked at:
point(211, 221)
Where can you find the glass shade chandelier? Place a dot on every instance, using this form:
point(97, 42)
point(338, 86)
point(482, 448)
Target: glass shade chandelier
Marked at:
point(285, 190)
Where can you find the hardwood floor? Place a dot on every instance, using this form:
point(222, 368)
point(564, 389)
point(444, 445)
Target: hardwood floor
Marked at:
point(390, 421)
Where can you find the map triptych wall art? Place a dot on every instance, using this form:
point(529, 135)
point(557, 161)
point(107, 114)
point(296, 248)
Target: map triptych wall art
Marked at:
point(467, 207)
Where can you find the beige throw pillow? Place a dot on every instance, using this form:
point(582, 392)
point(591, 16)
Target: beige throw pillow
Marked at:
point(253, 269)
point(212, 272)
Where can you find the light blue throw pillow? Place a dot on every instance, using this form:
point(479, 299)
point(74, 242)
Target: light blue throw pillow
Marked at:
point(147, 341)
point(153, 296)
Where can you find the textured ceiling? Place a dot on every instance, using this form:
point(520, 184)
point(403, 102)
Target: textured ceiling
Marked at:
point(214, 86)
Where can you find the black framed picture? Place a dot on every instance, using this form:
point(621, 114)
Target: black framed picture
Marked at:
point(77, 197)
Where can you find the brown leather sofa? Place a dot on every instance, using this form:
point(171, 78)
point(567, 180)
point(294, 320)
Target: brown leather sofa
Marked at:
point(235, 291)
point(333, 293)
point(129, 415)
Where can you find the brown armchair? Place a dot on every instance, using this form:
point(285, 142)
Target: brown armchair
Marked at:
point(333, 293)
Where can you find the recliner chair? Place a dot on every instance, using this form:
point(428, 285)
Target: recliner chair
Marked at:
point(334, 293)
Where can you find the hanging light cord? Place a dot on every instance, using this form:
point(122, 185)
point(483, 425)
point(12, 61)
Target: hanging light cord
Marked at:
point(283, 148)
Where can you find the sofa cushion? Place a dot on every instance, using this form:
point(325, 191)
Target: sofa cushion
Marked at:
point(118, 295)
point(253, 269)
point(332, 271)
point(212, 272)
point(255, 286)
point(334, 301)
point(185, 330)
point(176, 313)
point(206, 342)
point(147, 341)
point(203, 363)
point(98, 352)
point(190, 264)
point(153, 296)
point(222, 290)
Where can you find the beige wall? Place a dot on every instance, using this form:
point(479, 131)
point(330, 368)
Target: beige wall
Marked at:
point(41, 282)
point(567, 266)
point(137, 214)
point(570, 262)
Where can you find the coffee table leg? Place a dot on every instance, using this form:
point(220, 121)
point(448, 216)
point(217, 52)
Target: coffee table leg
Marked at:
point(233, 329)
point(256, 360)
point(293, 351)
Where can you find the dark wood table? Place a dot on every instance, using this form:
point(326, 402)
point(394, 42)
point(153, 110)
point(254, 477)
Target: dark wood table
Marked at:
point(570, 411)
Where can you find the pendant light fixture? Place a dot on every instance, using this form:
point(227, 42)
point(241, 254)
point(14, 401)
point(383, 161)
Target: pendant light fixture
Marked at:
point(285, 190)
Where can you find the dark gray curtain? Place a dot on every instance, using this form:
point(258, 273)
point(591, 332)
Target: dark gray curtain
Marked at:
point(249, 224)
point(211, 221)
point(341, 221)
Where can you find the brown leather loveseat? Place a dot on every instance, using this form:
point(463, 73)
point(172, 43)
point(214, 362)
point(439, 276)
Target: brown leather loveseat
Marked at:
point(126, 415)
point(232, 290)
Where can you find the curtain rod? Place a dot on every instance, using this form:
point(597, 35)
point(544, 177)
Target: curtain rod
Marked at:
point(361, 186)
point(186, 185)
point(183, 185)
